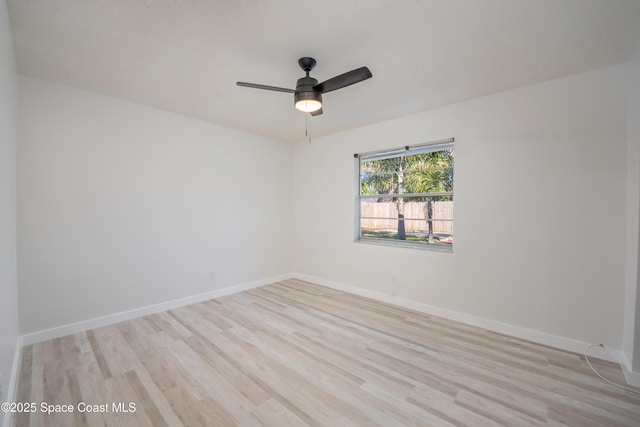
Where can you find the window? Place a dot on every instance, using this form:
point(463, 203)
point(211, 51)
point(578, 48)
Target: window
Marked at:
point(405, 196)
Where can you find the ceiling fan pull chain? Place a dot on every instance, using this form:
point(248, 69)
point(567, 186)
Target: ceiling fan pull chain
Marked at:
point(308, 129)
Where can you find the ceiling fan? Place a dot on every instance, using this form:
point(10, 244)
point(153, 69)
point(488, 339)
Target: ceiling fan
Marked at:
point(307, 95)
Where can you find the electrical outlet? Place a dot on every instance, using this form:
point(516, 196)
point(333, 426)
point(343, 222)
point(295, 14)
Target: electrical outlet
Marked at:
point(212, 275)
point(394, 277)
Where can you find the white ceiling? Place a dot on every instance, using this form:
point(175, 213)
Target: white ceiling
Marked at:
point(185, 56)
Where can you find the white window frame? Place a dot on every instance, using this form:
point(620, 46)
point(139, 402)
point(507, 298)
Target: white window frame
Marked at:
point(440, 145)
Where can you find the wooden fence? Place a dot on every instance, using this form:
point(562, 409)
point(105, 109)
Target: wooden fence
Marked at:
point(415, 214)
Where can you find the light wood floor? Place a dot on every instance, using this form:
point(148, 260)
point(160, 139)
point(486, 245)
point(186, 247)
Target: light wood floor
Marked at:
point(298, 354)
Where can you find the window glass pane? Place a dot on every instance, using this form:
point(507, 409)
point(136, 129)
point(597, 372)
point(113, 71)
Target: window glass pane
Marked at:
point(426, 220)
point(408, 196)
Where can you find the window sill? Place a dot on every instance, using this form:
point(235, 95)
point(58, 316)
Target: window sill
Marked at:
point(405, 244)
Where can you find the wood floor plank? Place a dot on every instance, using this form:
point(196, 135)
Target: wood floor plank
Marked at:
point(298, 354)
point(489, 408)
point(226, 370)
point(145, 400)
point(92, 389)
point(273, 413)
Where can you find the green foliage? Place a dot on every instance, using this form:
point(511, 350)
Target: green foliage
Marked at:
point(418, 173)
point(380, 176)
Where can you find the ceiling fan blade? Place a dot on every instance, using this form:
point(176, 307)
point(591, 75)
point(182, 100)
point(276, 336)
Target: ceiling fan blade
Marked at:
point(265, 87)
point(344, 80)
point(316, 113)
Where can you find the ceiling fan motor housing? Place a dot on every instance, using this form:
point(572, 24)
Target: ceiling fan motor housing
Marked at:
point(305, 92)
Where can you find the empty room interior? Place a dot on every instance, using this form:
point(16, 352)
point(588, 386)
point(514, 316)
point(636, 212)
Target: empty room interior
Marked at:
point(247, 213)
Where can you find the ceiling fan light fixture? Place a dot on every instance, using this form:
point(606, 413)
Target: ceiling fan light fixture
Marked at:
point(307, 96)
point(308, 106)
point(308, 101)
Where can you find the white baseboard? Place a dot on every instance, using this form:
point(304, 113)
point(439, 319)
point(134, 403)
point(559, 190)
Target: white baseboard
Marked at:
point(550, 340)
point(632, 378)
point(10, 395)
point(85, 325)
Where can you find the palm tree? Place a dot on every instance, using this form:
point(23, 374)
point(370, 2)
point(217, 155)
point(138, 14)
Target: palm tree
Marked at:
point(430, 172)
point(386, 177)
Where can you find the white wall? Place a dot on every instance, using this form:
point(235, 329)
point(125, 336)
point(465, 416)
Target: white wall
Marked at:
point(122, 206)
point(8, 279)
point(540, 190)
point(631, 344)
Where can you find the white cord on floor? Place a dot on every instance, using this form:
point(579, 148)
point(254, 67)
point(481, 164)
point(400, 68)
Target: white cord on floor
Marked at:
point(586, 356)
